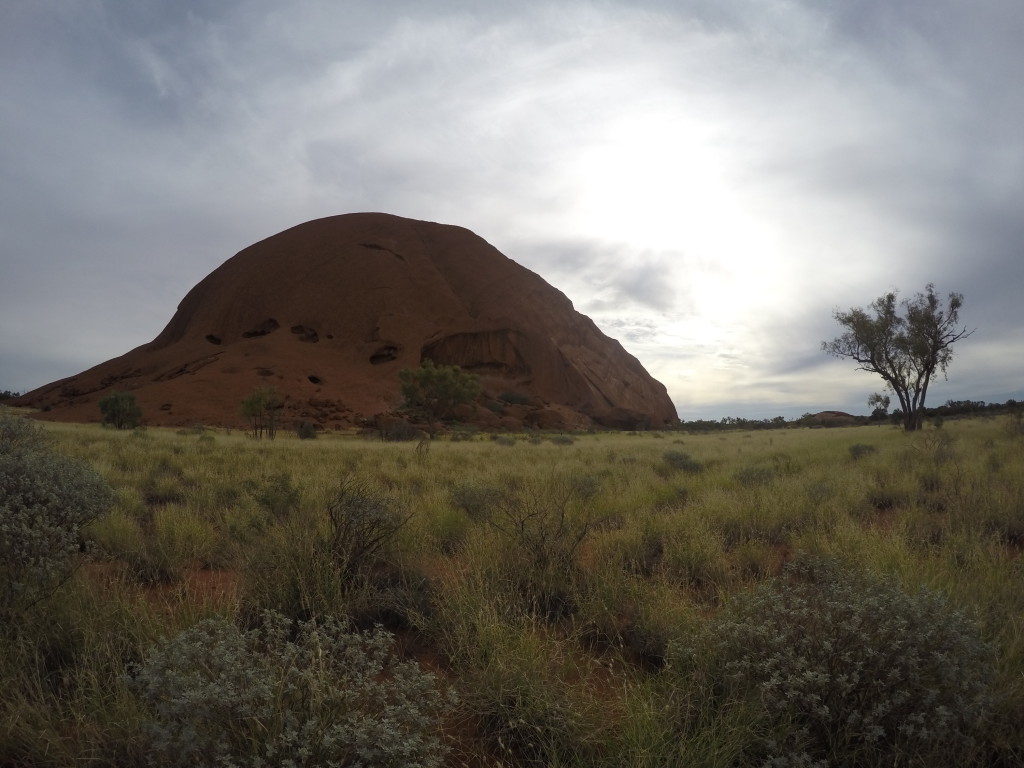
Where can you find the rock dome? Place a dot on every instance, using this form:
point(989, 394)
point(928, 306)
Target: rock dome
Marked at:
point(331, 310)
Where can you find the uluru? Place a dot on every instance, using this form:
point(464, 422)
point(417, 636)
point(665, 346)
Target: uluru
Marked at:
point(330, 311)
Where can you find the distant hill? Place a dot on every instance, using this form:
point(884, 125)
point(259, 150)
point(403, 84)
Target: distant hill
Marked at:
point(831, 418)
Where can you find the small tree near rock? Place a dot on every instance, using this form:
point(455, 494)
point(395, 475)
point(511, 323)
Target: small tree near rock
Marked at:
point(120, 410)
point(438, 389)
point(262, 408)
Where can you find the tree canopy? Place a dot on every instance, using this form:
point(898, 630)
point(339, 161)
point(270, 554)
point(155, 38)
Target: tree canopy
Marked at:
point(120, 410)
point(437, 389)
point(906, 343)
point(262, 408)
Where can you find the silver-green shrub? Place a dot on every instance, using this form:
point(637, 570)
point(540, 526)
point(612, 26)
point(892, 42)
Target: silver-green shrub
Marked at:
point(284, 694)
point(18, 432)
point(850, 669)
point(45, 500)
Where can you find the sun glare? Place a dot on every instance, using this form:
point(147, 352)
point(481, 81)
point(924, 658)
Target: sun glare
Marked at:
point(665, 186)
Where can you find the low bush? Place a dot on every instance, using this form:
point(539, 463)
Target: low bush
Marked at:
point(287, 569)
point(885, 495)
point(339, 564)
point(860, 450)
point(311, 694)
point(362, 522)
point(695, 556)
point(754, 476)
point(279, 495)
point(530, 716)
point(395, 430)
point(516, 685)
point(543, 528)
point(449, 529)
point(305, 430)
point(936, 447)
point(46, 499)
point(17, 433)
point(476, 499)
point(178, 540)
point(120, 410)
point(849, 669)
point(159, 489)
point(163, 483)
point(680, 461)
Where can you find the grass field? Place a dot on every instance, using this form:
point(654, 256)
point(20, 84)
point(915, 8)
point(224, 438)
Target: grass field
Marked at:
point(568, 590)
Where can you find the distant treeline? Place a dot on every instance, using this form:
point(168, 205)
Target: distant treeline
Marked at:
point(951, 409)
point(7, 394)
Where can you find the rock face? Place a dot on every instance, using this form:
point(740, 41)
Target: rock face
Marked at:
point(331, 310)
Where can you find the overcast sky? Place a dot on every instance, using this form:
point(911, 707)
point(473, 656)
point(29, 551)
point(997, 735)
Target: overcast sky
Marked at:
point(707, 179)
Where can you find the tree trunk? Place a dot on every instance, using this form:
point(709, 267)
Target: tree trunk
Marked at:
point(912, 420)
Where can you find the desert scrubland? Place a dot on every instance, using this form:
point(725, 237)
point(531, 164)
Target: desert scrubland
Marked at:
point(848, 596)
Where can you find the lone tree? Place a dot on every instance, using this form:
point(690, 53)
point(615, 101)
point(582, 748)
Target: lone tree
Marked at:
point(437, 389)
point(879, 405)
point(904, 349)
point(120, 410)
point(263, 408)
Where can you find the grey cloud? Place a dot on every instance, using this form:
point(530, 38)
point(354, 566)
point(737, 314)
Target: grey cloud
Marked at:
point(615, 275)
point(800, 364)
point(647, 283)
point(143, 143)
point(636, 330)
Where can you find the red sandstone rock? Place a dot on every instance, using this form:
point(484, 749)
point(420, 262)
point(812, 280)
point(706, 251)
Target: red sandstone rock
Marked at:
point(330, 311)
